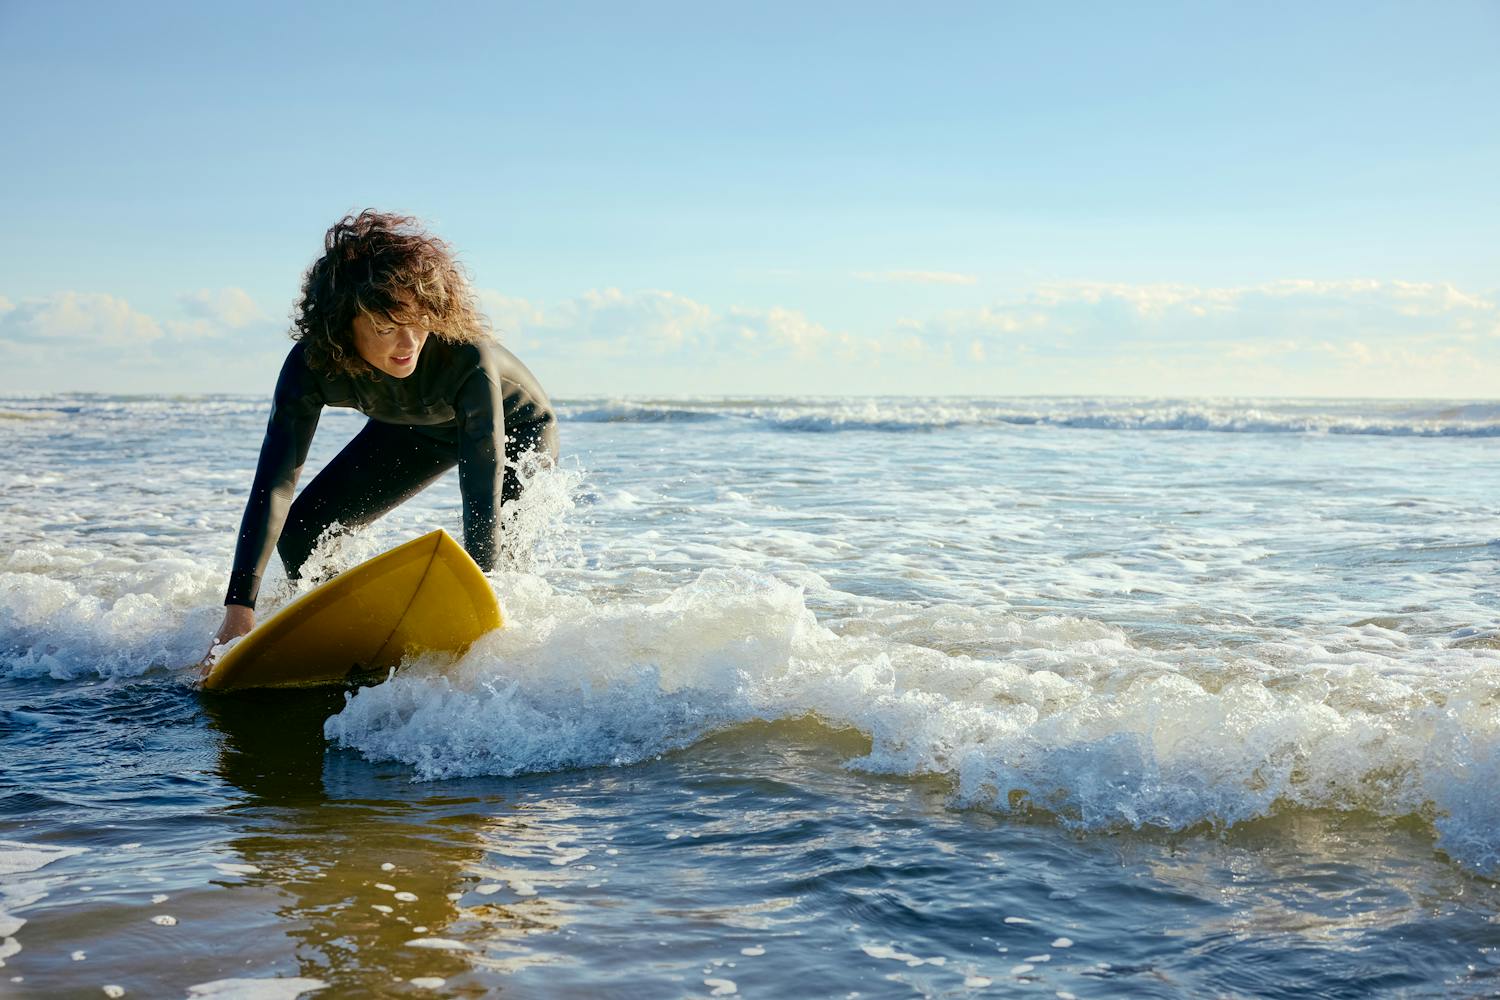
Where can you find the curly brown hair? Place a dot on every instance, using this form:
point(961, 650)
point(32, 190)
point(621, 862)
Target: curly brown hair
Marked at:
point(375, 263)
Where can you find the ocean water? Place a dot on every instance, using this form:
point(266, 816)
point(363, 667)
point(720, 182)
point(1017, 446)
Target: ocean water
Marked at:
point(797, 697)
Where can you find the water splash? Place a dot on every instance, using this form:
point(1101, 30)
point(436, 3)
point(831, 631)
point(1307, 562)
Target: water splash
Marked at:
point(1055, 714)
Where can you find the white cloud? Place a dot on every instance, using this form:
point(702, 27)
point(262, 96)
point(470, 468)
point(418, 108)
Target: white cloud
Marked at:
point(649, 320)
point(1102, 314)
point(780, 330)
point(509, 316)
point(654, 323)
point(77, 318)
point(1000, 320)
point(92, 341)
point(1250, 351)
point(228, 307)
point(1303, 337)
point(916, 277)
point(214, 313)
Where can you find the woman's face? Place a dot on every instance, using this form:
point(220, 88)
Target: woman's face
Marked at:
point(391, 342)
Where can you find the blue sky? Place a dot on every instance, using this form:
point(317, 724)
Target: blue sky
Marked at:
point(1154, 199)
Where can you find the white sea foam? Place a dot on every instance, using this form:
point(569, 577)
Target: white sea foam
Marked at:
point(437, 944)
point(18, 858)
point(257, 989)
point(67, 612)
point(1062, 715)
point(893, 953)
point(20, 888)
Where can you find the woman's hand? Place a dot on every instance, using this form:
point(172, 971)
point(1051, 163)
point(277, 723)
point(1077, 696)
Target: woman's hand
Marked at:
point(238, 620)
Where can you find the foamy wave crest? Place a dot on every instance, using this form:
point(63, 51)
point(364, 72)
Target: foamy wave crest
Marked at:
point(69, 612)
point(895, 414)
point(1056, 715)
point(639, 413)
point(127, 407)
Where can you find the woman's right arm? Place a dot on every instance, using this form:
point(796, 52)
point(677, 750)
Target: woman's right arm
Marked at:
point(289, 433)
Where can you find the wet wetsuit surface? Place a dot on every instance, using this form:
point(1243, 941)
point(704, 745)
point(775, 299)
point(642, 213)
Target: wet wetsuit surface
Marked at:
point(471, 405)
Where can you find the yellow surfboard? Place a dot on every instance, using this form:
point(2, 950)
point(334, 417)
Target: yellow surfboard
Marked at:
point(424, 595)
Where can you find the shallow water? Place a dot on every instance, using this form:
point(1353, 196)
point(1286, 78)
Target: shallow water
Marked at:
point(896, 697)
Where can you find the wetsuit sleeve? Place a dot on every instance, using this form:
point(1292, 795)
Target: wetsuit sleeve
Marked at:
point(480, 408)
point(289, 433)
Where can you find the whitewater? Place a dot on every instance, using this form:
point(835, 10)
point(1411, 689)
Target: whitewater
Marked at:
point(796, 697)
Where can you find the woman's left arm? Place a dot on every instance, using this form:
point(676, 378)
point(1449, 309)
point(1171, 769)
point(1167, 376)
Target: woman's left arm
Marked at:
point(480, 408)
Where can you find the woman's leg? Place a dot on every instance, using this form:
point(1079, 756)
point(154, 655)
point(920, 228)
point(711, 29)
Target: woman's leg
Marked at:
point(384, 466)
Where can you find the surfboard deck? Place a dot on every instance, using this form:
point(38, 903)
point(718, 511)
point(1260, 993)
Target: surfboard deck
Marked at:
point(424, 595)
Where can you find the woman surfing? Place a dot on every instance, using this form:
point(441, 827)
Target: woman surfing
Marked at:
point(387, 324)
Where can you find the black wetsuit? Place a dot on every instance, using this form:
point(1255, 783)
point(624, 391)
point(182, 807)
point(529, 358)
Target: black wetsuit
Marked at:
point(471, 405)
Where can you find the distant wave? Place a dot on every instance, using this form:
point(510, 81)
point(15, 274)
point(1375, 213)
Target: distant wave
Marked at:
point(894, 414)
point(632, 414)
point(1376, 418)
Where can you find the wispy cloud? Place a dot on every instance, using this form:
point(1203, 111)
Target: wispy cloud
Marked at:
point(77, 319)
point(70, 320)
point(223, 308)
point(917, 277)
point(1102, 313)
point(97, 341)
point(653, 323)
